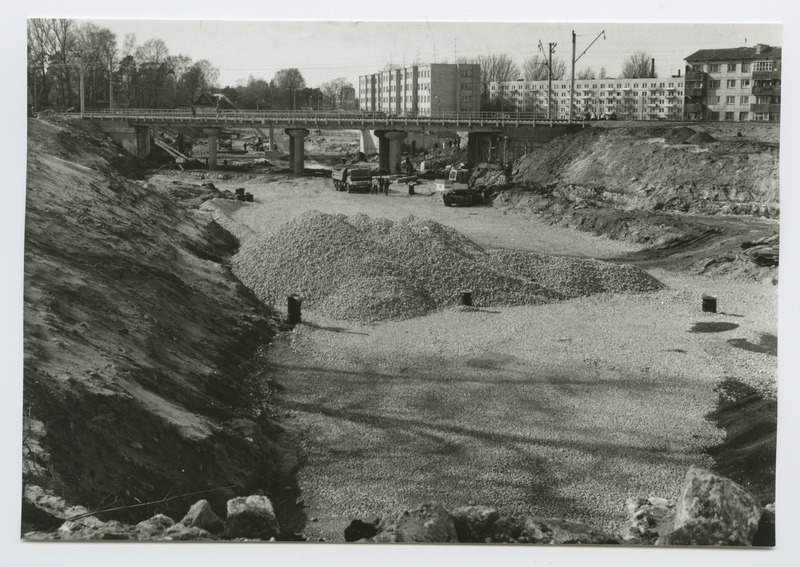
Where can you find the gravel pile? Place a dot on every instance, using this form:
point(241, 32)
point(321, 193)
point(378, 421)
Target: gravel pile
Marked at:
point(362, 269)
point(577, 277)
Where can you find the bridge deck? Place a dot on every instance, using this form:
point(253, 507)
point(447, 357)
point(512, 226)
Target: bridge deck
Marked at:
point(472, 121)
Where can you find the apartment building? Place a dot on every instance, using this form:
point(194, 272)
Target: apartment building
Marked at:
point(422, 89)
point(628, 99)
point(738, 84)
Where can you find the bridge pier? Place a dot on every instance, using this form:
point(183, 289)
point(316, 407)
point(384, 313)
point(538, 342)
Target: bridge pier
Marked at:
point(395, 150)
point(271, 138)
point(213, 134)
point(383, 151)
point(297, 149)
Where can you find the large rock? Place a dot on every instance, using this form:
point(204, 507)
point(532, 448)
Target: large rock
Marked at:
point(430, 523)
point(474, 523)
point(41, 509)
point(252, 517)
point(90, 528)
point(649, 518)
point(180, 532)
point(154, 526)
point(713, 510)
point(562, 532)
point(202, 516)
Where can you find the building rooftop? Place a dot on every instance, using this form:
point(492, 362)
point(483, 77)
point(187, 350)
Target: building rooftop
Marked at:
point(767, 52)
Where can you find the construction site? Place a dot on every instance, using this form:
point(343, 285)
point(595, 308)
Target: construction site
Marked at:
point(440, 348)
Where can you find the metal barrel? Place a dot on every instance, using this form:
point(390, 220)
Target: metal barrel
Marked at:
point(709, 304)
point(293, 308)
point(466, 297)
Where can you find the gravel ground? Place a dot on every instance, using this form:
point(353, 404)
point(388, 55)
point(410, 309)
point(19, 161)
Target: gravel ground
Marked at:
point(561, 409)
point(564, 409)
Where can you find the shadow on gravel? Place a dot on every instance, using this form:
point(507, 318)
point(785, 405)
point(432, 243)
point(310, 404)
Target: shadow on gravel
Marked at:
point(747, 455)
point(767, 344)
point(332, 329)
point(706, 327)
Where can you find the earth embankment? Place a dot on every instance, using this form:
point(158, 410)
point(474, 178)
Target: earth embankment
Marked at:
point(136, 333)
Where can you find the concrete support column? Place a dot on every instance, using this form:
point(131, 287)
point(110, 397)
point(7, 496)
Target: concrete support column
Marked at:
point(142, 141)
point(297, 149)
point(395, 151)
point(383, 151)
point(271, 138)
point(212, 134)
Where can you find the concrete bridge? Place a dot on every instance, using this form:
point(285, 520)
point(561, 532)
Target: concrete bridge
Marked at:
point(133, 127)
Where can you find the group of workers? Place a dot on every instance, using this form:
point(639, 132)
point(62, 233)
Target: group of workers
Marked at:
point(380, 184)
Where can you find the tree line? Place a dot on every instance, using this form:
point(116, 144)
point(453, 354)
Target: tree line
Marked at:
point(146, 75)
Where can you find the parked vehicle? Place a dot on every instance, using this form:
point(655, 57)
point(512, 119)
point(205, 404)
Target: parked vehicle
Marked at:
point(352, 179)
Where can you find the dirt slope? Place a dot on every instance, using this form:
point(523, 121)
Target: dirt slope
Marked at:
point(658, 168)
point(135, 337)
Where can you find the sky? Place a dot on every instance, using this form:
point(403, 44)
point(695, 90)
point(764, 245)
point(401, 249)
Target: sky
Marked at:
point(327, 50)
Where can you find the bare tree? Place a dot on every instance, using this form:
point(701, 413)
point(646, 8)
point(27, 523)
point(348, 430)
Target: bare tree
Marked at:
point(334, 90)
point(495, 67)
point(637, 66)
point(209, 72)
point(535, 69)
point(603, 73)
point(586, 73)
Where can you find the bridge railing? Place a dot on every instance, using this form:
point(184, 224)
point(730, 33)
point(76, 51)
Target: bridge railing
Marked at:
point(203, 114)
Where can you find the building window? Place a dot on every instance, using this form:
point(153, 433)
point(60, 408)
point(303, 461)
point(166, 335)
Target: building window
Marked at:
point(744, 100)
point(717, 100)
point(745, 67)
point(731, 84)
point(729, 116)
point(731, 67)
point(714, 84)
point(713, 115)
point(745, 83)
point(762, 66)
point(743, 116)
point(758, 116)
point(713, 68)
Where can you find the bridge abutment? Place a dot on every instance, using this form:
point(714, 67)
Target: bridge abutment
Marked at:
point(297, 149)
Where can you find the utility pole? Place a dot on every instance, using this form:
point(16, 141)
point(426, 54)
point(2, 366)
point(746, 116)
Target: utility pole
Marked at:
point(111, 83)
point(551, 49)
point(575, 60)
point(572, 79)
point(80, 69)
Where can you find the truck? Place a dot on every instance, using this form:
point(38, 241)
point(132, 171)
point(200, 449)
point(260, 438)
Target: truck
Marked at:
point(457, 190)
point(352, 179)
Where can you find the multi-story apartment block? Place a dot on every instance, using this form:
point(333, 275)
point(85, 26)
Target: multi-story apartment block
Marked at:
point(422, 89)
point(628, 99)
point(738, 84)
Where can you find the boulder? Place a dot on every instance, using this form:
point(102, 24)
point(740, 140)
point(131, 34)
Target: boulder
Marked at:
point(358, 530)
point(430, 523)
point(562, 532)
point(91, 529)
point(474, 523)
point(713, 510)
point(202, 516)
point(649, 518)
point(251, 517)
point(154, 526)
point(181, 532)
point(41, 509)
point(506, 530)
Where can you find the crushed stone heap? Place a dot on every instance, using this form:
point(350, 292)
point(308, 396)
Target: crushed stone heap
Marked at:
point(362, 269)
